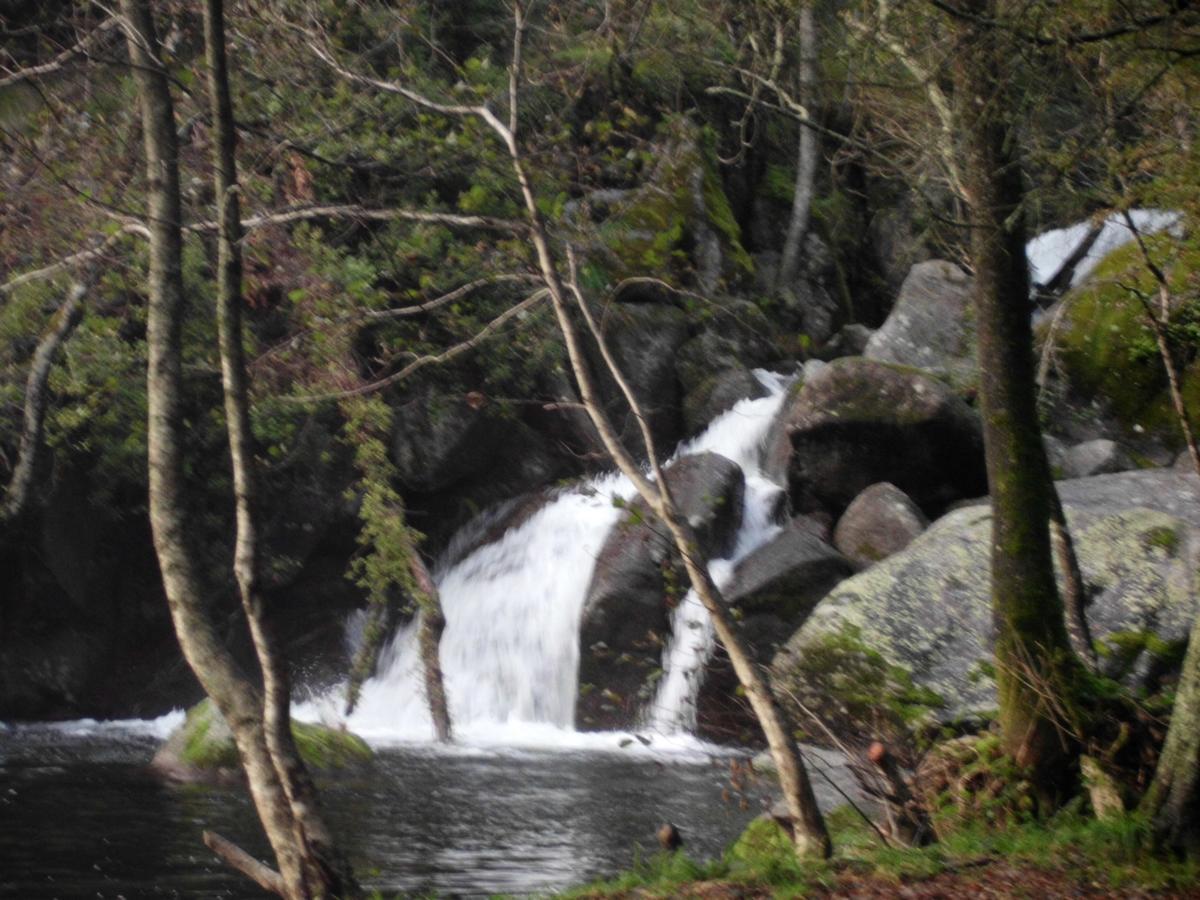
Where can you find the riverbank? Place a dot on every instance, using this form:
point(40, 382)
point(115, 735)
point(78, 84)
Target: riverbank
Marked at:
point(1069, 855)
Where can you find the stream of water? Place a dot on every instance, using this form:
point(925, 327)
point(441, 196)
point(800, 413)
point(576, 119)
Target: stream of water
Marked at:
point(510, 651)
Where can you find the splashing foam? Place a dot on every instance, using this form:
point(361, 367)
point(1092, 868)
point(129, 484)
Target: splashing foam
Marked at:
point(510, 651)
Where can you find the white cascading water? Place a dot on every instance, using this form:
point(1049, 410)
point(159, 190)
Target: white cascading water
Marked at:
point(510, 650)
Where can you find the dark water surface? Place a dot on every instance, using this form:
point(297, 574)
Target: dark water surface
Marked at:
point(80, 816)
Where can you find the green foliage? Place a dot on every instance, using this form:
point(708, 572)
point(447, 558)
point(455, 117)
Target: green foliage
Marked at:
point(1109, 350)
point(1116, 855)
point(848, 682)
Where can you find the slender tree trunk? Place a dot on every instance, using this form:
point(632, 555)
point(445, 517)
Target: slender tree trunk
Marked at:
point(37, 398)
point(326, 871)
point(1173, 802)
point(1035, 667)
point(431, 624)
point(238, 700)
point(809, 833)
point(1075, 592)
point(806, 155)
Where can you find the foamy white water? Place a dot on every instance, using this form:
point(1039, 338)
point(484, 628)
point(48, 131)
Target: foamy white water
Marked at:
point(510, 650)
point(738, 434)
point(1049, 251)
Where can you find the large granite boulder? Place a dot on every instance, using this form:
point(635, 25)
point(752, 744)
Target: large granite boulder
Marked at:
point(855, 422)
point(202, 748)
point(880, 521)
point(911, 638)
point(1104, 383)
point(638, 580)
point(932, 325)
point(772, 591)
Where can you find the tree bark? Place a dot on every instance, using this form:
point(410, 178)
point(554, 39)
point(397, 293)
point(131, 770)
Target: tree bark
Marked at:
point(238, 700)
point(806, 155)
point(1035, 667)
point(37, 398)
point(809, 833)
point(431, 624)
point(1173, 801)
point(326, 871)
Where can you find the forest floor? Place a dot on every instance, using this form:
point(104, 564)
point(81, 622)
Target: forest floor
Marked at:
point(1069, 856)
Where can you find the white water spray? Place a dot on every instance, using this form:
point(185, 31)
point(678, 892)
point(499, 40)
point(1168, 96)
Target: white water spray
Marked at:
point(510, 650)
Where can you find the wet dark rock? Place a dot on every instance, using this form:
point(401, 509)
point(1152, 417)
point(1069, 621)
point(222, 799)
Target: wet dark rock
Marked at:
point(773, 590)
point(638, 580)
point(855, 422)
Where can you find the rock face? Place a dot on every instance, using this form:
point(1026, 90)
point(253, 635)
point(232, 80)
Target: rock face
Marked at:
point(932, 325)
point(880, 521)
point(636, 582)
point(644, 338)
point(202, 748)
point(912, 636)
point(856, 422)
point(774, 588)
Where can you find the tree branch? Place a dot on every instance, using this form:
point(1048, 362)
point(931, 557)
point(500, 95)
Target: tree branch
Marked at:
point(46, 68)
point(237, 858)
point(431, 359)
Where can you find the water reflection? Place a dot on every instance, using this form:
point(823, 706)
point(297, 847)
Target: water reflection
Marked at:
point(83, 818)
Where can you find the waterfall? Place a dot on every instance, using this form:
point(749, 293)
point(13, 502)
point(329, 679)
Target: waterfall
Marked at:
point(510, 650)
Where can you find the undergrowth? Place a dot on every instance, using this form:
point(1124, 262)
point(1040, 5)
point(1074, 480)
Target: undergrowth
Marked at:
point(1108, 854)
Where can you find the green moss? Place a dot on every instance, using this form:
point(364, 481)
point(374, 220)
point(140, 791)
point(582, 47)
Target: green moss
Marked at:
point(854, 688)
point(1108, 350)
point(329, 748)
point(1163, 538)
point(208, 744)
point(651, 233)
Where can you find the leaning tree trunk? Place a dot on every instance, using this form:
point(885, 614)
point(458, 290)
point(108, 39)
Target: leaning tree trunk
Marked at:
point(1173, 802)
point(326, 870)
point(1035, 668)
point(37, 391)
point(806, 155)
point(238, 700)
point(809, 834)
point(431, 624)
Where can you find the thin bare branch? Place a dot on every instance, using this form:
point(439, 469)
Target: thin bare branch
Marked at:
point(57, 63)
point(432, 359)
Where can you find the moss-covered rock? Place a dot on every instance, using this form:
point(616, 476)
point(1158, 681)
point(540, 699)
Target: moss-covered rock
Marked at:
point(680, 221)
point(856, 422)
point(911, 637)
point(1108, 360)
point(202, 748)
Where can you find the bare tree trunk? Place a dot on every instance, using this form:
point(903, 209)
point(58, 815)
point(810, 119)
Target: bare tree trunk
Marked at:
point(1173, 801)
point(1035, 667)
point(809, 833)
point(806, 155)
point(326, 871)
point(20, 487)
point(810, 836)
point(239, 701)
